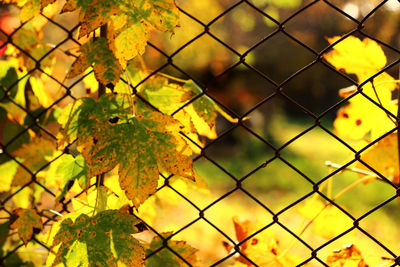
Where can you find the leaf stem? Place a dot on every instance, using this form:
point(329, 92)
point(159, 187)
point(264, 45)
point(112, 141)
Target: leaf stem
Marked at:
point(172, 77)
point(356, 170)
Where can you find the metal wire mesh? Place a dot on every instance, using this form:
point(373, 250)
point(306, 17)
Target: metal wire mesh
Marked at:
point(279, 91)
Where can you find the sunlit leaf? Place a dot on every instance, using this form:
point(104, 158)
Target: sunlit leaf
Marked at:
point(326, 220)
point(165, 257)
point(362, 58)
point(262, 249)
point(349, 256)
point(129, 22)
point(101, 240)
point(383, 158)
point(32, 8)
point(72, 169)
point(106, 67)
point(26, 221)
point(108, 135)
point(7, 172)
point(41, 92)
point(198, 117)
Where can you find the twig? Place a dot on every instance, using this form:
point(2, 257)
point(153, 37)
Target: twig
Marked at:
point(357, 170)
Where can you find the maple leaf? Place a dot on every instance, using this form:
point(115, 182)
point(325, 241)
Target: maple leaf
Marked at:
point(165, 257)
point(348, 256)
point(27, 220)
point(106, 67)
point(108, 135)
point(199, 116)
point(383, 157)
point(263, 249)
point(33, 157)
point(72, 169)
point(129, 22)
point(362, 58)
point(101, 240)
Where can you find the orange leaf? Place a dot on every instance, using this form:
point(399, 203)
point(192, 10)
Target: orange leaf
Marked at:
point(348, 256)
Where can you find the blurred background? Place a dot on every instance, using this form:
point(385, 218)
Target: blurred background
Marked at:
point(242, 61)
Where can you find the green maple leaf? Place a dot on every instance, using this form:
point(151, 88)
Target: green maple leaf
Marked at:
point(165, 257)
point(129, 22)
point(101, 240)
point(26, 221)
point(106, 67)
point(168, 97)
point(142, 145)
point(72, 169)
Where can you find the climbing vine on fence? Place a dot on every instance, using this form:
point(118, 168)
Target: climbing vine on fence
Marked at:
point(135, 130)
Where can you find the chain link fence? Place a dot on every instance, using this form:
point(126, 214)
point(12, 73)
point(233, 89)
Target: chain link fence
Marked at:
point(279, 91)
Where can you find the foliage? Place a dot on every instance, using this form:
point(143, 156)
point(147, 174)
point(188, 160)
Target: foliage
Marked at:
point(139, 136)
point(101, 240)
point(366, 59)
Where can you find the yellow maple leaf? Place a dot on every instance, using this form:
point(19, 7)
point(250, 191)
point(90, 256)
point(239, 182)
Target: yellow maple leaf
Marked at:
point(383, 157)
point(262, 249)
point(362, 58)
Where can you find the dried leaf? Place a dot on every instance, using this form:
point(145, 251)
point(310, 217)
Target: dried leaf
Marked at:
point(348, 256)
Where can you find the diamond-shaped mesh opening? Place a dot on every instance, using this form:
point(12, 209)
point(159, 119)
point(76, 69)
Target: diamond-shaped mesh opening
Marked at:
point(277, 63)
point(216, 57)
point(285, 165)
point(328, 20)
point(247, 152)
point(283, 184)
point(316, 152)
point(232, 91)
point(249, 24)
point(320, 93)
